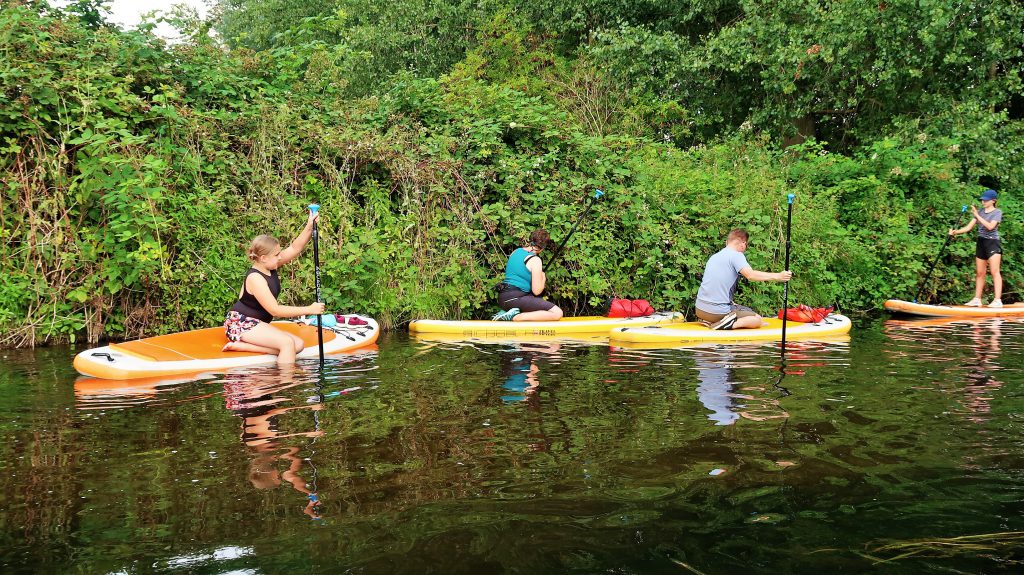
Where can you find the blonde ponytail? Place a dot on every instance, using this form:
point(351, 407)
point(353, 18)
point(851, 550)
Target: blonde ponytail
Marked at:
point(262, 245)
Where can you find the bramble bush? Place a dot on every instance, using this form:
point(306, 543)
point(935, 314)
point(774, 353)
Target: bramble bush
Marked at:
point(134, 174)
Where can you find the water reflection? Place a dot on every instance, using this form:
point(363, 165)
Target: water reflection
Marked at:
point(92, 394)
point(279, 404)
point(738, 380)
point(607, 460)
point(729, 396)
point(280, 410)
point(520, 369)
point(971, 348)
point(981, 381)
point(715, 388)
point(259, 398)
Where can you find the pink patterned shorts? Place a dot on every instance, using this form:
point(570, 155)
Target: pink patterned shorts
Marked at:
point(236, 324)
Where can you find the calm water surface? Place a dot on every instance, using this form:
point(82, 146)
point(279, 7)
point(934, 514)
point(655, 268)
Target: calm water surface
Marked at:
point(895, 451)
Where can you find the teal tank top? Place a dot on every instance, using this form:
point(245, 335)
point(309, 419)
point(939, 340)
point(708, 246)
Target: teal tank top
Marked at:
point(516, 274)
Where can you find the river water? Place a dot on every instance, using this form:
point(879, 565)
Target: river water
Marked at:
point(896, 450)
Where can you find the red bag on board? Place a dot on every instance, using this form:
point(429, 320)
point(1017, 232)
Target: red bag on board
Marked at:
point(629, 308)
point(805, 314)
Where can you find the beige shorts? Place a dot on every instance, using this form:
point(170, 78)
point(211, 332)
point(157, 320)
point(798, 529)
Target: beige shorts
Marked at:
point(739, 310)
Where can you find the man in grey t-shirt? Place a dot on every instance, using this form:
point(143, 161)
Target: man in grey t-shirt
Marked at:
point(722, 273)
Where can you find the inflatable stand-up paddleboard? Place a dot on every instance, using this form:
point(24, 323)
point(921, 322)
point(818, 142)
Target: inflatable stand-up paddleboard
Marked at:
point(911, 308)
point(817, 342)
point(199, 351)
point(770, 330)
point(510, 330)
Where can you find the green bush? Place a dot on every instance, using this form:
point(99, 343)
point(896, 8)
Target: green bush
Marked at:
point(135, 173)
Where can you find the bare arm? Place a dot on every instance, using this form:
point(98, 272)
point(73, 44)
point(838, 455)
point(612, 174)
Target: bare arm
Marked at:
point(538, 275)
point(967, 227)
point(757, 276)
point(984, 223)
point(257, 286)
point(299, 243)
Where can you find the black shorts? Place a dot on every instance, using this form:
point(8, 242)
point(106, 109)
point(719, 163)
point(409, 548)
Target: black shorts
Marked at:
point(514, 297)
point(987, 248)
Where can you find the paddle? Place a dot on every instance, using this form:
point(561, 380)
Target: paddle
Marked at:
point(314, 208)
point(942, 249)
point(598, 194)
point(785, 290)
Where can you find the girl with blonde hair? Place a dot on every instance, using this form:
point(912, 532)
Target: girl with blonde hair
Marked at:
point(248, 325)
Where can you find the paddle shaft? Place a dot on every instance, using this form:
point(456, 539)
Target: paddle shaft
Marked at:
point(785, 289)
point(558, 250)
point(939, 255)
point(316, 269)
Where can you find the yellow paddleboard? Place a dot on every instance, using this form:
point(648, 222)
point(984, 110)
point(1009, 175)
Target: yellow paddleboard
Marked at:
point(510, 330)
point(798, 345)
point(771, 330)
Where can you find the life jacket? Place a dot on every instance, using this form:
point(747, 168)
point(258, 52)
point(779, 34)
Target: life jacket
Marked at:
point(805, 314)
point(629, 308)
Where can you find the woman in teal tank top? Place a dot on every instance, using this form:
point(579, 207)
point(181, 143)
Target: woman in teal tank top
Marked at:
point(524, 282)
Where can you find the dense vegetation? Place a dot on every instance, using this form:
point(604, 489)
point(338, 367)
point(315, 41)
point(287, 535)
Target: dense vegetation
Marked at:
point(437, 134)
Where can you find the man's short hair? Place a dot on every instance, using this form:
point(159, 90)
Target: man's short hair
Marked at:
point(738, 234)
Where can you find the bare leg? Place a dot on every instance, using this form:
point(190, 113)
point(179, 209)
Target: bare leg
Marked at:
point(553, 314)
point(748, 322)
point(979, 277)
point(994, 263)
point(243, 346)
point(265, 335)
point(299, 344)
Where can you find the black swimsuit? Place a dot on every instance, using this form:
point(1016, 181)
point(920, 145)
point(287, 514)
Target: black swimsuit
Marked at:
point(248, 305)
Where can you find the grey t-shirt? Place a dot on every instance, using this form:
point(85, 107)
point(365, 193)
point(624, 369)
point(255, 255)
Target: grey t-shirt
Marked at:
point(996, 215)
point(720, 278)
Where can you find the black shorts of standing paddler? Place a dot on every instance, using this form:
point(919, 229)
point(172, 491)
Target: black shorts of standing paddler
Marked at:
point(509, 298)
point(987, 248)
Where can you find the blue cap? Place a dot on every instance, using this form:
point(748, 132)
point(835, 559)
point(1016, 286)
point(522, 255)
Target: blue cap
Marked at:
point(989, 195)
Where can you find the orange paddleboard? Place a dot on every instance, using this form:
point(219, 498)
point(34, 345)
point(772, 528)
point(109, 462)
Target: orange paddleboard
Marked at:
point(900, 306)
point(199, 351)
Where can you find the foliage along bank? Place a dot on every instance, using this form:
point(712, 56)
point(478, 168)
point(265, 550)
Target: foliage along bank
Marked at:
point(134, 173)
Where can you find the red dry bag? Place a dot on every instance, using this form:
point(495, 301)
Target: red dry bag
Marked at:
point(805, 314)
point(629, 308)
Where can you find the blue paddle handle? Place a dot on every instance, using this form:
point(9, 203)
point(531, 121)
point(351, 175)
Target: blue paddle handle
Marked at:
point(598, 194)
point(790, 197)
point(314, 208)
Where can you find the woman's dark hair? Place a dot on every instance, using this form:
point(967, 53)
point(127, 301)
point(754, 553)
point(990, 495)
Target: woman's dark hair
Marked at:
point(540, 239)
